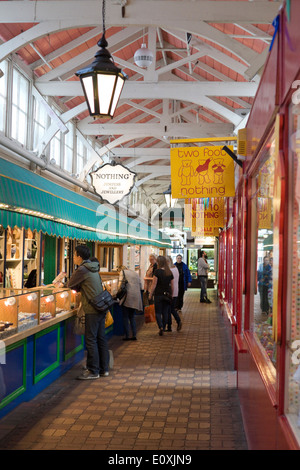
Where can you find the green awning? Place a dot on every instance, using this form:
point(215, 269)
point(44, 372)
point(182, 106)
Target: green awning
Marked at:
point(31, 201)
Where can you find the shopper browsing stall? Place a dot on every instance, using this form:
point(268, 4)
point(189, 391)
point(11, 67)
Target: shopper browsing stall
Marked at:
point(133, 301)
point(87, 279)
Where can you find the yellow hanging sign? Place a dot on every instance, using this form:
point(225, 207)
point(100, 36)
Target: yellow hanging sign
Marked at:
point(202, 213)
point(201, 172)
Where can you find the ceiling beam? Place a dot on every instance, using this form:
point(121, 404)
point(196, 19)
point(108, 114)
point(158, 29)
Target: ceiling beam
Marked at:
point(189, 91)
point(146, 130)
point(68, 46)
point(139, 12)
point(67, 68)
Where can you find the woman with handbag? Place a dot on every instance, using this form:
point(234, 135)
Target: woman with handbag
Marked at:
point(162, 288)
point(131, 302)
point(87, 279)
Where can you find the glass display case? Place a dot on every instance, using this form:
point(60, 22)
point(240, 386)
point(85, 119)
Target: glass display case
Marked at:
point(23, 309)
point(110, 282)
point(28, 310)
point(8, 315)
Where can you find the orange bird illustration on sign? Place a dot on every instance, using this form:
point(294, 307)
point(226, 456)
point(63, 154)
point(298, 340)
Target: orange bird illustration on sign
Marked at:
point(202, 170)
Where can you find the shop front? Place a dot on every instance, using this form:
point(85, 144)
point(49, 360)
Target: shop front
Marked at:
point(259, 253)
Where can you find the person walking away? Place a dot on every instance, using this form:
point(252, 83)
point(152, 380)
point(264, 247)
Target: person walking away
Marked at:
point(163, 281)
point(185, 280)
point(133, 301)
point(87, 280)
point(203, 268)
point(173, 311)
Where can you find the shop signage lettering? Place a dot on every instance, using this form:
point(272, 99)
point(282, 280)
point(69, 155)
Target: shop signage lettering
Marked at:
point(198, 213)
point(113, 182)
point(201, 172)
point(205, 231)
point(107, 176)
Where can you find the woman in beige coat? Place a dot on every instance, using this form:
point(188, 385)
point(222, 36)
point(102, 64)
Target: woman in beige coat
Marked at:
point(133, 301)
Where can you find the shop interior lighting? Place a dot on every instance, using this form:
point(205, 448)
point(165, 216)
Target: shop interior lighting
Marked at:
point(32, 296)
point(10, 301)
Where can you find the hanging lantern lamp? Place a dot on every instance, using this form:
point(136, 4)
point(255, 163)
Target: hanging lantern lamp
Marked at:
point(102, 81)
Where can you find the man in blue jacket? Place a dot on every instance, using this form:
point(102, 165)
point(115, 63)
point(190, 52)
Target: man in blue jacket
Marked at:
point(185, 280)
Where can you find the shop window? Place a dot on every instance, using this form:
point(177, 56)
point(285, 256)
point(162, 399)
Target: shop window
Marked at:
point(19, 119)
point(3, 93)
point(293, 307)
point(264, 320)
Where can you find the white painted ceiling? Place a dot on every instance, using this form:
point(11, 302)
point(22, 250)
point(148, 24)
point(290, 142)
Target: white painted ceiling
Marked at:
point(200, 84)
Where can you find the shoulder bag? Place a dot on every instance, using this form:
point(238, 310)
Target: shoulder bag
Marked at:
point(122, 291)
point(102, 302)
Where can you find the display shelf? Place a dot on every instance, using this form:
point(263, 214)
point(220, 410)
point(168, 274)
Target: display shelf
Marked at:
point(26, 309)
point(19, 256)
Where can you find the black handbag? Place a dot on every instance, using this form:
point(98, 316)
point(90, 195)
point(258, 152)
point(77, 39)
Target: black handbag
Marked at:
point(102, 302)
point(122, 291)
point(168, 297)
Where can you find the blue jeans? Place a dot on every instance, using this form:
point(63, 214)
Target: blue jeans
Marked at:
point(203, 286)
point(128, 317)
point(162, 308)
point(96, 343)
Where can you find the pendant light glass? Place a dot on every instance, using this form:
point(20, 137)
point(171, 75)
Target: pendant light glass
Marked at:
point(143, 57)
point(102, 81)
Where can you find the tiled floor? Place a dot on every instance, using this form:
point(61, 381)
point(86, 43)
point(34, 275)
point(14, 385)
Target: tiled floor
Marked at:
point(175, 392)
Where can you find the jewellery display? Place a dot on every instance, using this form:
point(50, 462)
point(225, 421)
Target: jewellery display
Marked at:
point(24, 309)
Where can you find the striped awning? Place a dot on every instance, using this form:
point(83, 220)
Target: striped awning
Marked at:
point(31, 201)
